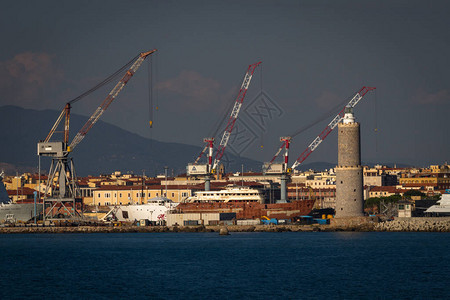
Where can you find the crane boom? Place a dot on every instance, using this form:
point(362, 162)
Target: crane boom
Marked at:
point(111, 96)
point(316, 142)
point(234, 114)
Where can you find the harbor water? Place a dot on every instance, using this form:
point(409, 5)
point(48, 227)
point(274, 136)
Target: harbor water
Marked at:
point(345, 265)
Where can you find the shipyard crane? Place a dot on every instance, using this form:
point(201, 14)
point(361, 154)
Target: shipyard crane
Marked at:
point(282, 169)
point(210, 168)
point(62, 190)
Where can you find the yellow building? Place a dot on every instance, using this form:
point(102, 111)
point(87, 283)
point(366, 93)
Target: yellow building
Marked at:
point(124, 195)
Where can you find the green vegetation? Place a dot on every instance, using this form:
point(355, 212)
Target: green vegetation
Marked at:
point(423, 196)
point(410, 193)
point(375, 201)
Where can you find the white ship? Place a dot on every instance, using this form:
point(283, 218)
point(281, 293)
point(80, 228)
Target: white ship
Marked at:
point(230, 194)
point(442, 207)
point(13, 212)
point(154, 210)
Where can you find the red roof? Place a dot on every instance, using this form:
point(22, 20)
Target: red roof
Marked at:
point(21, 191)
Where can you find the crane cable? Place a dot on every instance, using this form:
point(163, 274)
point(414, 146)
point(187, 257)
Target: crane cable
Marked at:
point(260, 93)
point(323, 117)
point(225, 113)
point(150, 91)
point(104, 82)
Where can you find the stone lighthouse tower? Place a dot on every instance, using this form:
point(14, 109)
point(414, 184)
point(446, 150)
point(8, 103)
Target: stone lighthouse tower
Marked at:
point(349, 175)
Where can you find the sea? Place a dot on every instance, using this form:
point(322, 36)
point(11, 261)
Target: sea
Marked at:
point(285, 265)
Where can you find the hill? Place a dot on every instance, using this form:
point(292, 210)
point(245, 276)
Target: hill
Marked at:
point(105, 149)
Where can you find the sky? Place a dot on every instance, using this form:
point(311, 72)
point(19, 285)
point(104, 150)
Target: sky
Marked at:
point(315, 55)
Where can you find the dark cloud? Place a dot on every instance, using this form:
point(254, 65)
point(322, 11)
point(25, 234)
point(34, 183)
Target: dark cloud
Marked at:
point(25, 77)
point(315, 54)
point(194, 91)
point(439, 97)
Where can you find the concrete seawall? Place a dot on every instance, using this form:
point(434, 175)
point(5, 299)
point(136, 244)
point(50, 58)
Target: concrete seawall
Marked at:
point(415, 224)
point(400, 224)
point(155, 229)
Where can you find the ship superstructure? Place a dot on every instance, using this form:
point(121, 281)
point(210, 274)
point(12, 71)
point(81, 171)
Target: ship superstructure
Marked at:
point(229, 194)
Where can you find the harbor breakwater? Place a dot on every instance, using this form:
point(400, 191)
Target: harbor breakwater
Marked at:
point(397, 225)
point(415, 224)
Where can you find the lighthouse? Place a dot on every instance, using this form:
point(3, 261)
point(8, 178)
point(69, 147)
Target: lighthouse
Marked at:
point(349, 174)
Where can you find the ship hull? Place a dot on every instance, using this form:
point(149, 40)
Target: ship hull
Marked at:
point(19, 211)
point(251, 210)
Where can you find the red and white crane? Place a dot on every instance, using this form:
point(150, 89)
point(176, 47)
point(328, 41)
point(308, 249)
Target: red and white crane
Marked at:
point(234, 114)
point(62, 191)
point(271, 168)
point(210, 168)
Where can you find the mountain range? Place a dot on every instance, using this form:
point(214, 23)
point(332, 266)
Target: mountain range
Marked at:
point(105, 149)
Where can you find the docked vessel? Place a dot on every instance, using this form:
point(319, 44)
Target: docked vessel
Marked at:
point(155, 210)
point(229, 194)
point(250, 210)
point(441, 208)
point(13, 212)
point(247, 203)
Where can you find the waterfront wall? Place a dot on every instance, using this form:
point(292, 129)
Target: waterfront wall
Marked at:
point(358, 224)
point(415, 224)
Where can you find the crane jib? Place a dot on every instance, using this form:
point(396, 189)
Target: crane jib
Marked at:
point(108, 100)
point(316, 142)
point(234, 114)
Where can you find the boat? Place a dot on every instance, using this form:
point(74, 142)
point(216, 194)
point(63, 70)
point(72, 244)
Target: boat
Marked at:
point(441, 208)
point(246, 202)
point(13, 212)
point(229, 194)
point(250, 210)
point(155, 210)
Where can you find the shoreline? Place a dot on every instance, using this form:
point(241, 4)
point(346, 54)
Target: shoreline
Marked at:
point(398, 225)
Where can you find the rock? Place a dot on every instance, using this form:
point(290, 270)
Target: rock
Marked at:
point(223, 231)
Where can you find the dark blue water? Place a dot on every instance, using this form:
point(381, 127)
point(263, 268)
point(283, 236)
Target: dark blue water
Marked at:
point(242, 265)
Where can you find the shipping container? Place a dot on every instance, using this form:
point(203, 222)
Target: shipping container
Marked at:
point(248, 222)
point(227, 223)
point(190, 223)
point(284, 221)
point(227, 216)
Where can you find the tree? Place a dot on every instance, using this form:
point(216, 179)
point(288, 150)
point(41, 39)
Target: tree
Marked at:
point(414, 193)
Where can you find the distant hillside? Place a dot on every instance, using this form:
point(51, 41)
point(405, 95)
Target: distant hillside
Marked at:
point(105, 149)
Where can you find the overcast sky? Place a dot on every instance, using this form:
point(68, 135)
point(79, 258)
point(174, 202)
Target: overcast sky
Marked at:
point(315, 55)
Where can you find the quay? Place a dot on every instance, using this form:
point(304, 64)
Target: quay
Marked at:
point(397, 225)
